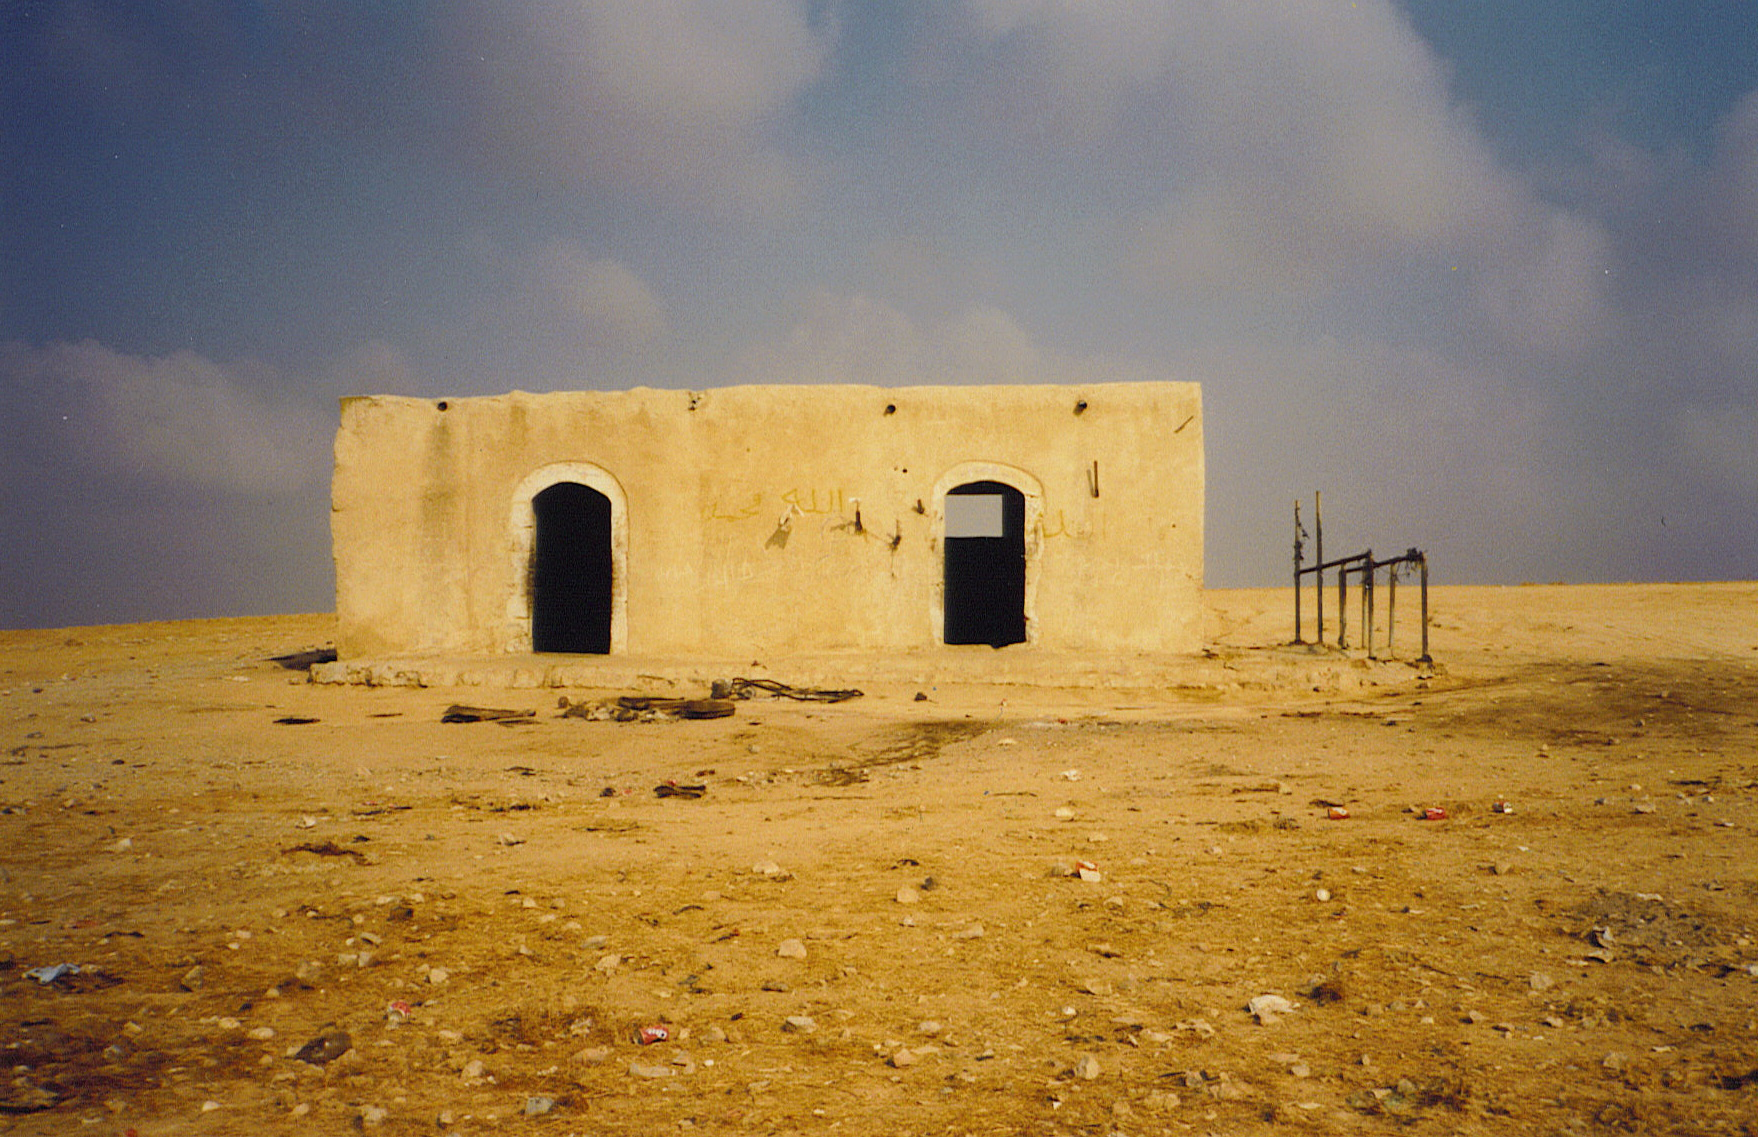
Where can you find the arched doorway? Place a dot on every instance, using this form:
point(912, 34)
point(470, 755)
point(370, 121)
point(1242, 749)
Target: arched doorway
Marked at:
point(984, 565)
point(572, 570)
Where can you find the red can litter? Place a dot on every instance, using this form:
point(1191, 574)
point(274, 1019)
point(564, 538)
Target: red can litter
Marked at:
point(1338, 813)
point(1434, 813)
point(648, 1035)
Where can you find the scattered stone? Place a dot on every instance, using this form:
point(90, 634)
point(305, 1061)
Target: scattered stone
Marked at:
point(1539, 981)
point(643, 1070)
point(928, 1027)
point(438, 975)
point(538, 1106)
point(791, 949)
point(902, 1059)
point(373, 1114)
point(330, 1044)
point(799, 1024)
point(771, 870)
point(192, 979)
point(1087, 1068)
point(1268, 1008)
point(908, 895)
point(974, 932)
point(1322, 895)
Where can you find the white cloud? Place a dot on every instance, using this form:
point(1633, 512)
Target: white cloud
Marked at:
point(860, 339)
point(603, 297)
point(678, 96)
point(1305, 147)
point(177, 419)
point(1546, 284)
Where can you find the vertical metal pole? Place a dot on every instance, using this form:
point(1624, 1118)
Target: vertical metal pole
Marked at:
point(1425, 656)
point(1367, 604)
point(1392, 611)
point(1343, 605)
point(1318, 574)
point(1297, 638)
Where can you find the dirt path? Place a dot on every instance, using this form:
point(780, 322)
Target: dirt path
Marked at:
point(865, 924)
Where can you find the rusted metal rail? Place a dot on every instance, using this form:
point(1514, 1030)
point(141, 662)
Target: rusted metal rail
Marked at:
point(1365, 569)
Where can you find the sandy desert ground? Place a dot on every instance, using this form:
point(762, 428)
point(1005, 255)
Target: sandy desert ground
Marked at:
point(865, 923)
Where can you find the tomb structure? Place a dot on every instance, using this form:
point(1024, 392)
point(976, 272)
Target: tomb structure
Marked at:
point(769, 520)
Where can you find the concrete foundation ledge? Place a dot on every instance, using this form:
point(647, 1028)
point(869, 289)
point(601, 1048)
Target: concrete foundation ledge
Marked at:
point(1270, 669)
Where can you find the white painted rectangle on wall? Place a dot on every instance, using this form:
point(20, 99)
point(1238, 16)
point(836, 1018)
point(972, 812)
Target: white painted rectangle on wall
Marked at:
point(974, 515)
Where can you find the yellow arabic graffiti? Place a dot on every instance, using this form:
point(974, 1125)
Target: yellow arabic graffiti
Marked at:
point(812, 500)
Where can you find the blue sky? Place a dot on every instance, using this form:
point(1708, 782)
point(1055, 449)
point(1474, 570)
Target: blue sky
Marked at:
point(1485, 273)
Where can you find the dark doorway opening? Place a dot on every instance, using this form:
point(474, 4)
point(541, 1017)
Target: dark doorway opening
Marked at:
point(571, 570)
point(985, 564)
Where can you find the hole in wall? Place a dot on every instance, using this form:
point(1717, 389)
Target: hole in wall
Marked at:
point(985, 565)
point(444, 406)
point(890, 408)
point(1080, 408)
point(571, 570)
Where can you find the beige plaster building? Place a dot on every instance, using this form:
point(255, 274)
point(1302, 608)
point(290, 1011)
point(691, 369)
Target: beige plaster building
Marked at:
point(771, 520)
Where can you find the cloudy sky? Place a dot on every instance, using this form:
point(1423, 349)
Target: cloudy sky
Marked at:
point(1484, 273)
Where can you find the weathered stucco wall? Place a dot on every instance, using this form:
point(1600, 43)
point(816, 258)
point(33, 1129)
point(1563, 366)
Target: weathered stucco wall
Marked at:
point(752, 520)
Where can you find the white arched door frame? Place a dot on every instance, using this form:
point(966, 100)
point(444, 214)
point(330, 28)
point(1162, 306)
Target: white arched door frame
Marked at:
point(522, 531)
point(1033, 491)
